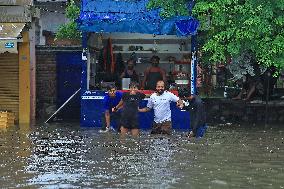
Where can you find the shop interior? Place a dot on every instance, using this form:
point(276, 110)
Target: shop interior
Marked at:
point(109, 52)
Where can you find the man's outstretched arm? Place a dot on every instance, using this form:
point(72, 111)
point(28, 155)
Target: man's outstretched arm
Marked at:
point(146, 109)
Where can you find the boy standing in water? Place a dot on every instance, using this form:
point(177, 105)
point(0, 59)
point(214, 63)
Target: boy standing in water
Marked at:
point(129, 116)
point(111, 100)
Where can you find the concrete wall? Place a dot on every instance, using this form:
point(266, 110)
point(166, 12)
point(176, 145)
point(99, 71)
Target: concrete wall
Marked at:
point(50, 21)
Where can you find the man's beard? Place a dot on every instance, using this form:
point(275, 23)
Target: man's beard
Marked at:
point(160, 92)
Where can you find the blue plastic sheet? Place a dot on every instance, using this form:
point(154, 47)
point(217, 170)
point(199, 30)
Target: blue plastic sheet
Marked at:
point(131, 16)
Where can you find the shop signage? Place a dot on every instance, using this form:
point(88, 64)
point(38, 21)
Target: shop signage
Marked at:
point(9, 45)
point(92, 97)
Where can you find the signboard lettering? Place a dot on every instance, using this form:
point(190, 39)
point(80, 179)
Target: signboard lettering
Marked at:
point(9, 45)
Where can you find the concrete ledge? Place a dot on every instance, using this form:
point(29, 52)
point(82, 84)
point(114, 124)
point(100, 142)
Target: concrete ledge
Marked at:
point(220, 110)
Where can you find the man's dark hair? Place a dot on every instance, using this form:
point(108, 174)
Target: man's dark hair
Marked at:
point(155, 57)
point(160, 81)
point(184, 92)
point(166, 86)
point(131, 60)
point(110, 86)
point(133, 84)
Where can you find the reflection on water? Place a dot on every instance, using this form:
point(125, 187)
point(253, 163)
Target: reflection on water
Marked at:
point(67, 156)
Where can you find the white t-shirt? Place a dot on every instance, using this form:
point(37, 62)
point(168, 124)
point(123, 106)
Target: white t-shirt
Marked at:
point(161, 105)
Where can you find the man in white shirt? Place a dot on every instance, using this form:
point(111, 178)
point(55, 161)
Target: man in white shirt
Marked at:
point(160, 102)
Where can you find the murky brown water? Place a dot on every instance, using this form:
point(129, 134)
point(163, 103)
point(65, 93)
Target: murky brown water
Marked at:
point(67, 156)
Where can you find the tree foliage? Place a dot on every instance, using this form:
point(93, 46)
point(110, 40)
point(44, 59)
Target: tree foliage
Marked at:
point(234, 27)
point(70, 29)
point(169, 8)
point(231, 28)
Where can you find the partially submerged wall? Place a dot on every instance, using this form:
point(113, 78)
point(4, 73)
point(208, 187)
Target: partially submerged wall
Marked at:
point(238, 111)
point(45, 82)
point(47, 77)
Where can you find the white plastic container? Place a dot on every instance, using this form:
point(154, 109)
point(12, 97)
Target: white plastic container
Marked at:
point(125, 83)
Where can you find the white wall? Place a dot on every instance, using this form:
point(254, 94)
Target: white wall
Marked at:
point(52, 20)
point(51, 17)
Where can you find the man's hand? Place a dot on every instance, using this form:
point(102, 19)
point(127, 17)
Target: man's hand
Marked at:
point(191, 135)
point(117, 107)
point(114, 109)
point(180, 104)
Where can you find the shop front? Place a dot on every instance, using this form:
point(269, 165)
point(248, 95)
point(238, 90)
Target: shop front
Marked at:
point(17, 60)
point(10, 51)
point(116, 31)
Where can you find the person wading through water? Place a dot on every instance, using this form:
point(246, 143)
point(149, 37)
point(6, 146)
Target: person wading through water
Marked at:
point(160, 102)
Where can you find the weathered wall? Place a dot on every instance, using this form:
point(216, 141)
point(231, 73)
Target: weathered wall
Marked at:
point(238, 111)
point(45, 82)
point(46, 78)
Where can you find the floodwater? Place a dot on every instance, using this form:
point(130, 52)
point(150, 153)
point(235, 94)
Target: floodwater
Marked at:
point(67, 156)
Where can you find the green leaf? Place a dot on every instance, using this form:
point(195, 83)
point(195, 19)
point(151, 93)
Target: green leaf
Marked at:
point(231, 27)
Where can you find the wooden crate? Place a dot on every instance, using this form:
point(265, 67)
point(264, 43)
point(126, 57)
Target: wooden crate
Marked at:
point(7, 119)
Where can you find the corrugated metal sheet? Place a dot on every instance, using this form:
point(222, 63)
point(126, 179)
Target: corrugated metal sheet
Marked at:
point(16, 2)
point(9, 83)
point(51, 1)
point(19, 14)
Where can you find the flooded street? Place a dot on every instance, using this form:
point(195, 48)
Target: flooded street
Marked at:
point(66, 156)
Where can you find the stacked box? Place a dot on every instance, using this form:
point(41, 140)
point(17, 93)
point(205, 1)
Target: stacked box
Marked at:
point(6, 119)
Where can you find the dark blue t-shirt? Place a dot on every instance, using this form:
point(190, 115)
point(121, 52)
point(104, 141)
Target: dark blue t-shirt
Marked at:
point(110, 102)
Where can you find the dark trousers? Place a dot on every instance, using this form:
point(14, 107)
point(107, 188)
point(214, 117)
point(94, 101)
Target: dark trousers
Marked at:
point(162, 128)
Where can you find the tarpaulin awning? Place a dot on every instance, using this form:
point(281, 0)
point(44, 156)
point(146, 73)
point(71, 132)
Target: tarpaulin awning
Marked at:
point(9, 33)
point(131, 16)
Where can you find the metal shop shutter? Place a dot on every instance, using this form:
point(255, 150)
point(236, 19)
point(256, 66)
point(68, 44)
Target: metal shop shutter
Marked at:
point(9, 83)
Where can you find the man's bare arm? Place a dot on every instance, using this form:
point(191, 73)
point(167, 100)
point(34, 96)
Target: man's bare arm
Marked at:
point(146, 109)
point(144, 79)
point(117, 107)
point(122, 75)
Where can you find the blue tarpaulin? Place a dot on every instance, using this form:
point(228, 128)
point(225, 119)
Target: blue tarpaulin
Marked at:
point(132, 16)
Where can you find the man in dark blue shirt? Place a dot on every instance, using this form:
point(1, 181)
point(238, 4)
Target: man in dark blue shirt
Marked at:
point(111, 100)
point(196, 108)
